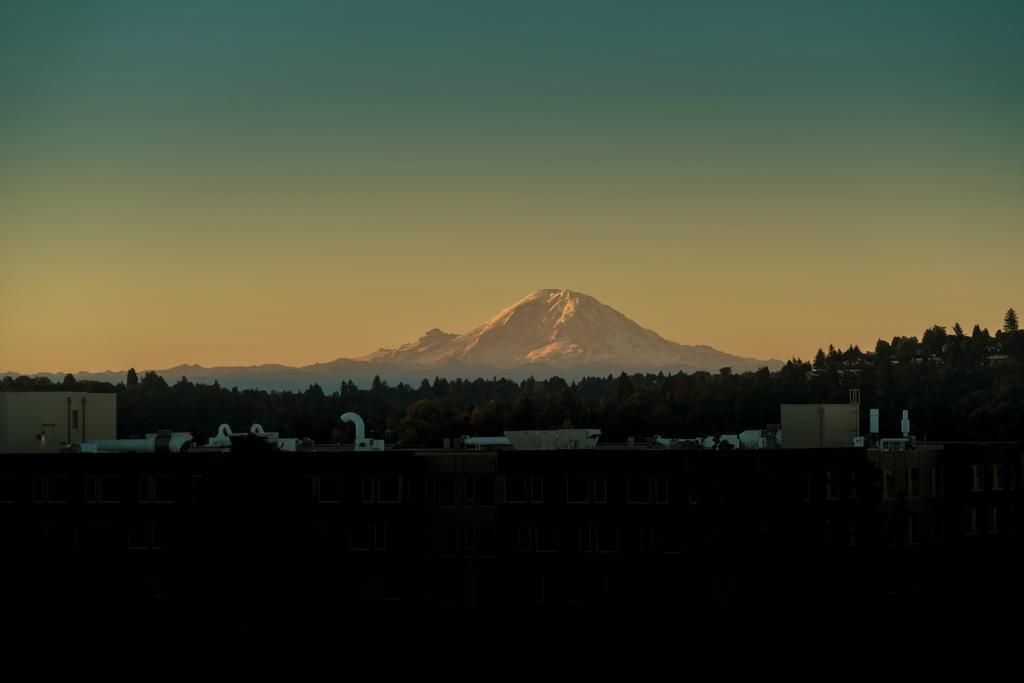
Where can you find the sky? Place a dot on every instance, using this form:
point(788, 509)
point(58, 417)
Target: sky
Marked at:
point(232, 183)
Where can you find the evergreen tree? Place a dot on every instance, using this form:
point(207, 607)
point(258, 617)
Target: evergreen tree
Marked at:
point(133, 379)
point(1010, 322)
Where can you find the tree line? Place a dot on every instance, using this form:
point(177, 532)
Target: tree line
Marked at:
point(957, 386)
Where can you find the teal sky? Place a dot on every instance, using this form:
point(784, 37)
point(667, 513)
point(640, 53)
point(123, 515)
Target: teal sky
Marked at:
point(820, 172)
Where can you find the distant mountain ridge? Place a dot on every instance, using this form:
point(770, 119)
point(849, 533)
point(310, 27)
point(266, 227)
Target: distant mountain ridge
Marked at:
point(548, 332)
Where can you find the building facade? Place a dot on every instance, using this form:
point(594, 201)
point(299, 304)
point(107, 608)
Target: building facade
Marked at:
point(45, 421)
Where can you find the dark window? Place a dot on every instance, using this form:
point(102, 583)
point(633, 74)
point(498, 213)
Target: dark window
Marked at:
point(515, 488)
point(390, 488)
point(661, 489)
point(389, 586)
point(8, 489)
point(607, 538)
point(49, 489)
point(359, 536)
point(888, 485)
point(639, 489)
point(667, 539)
point(485, 540)
point(585, 539)
point(832, 485)
point(485, 490)
point(525, 538)
point(582, 488)
point(547, 538)
point(198, 489)
point(156, 489)
point(367, 488)
point(329, 488)
point(446, 539)
point(537, 488)
point(578, 488)
point(145, 535)
point(380, 536)
point(103, 489)
point(446, 491)
point(913, 482)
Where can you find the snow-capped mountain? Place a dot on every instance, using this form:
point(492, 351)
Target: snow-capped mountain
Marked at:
point(561, 329)
point(549, 332)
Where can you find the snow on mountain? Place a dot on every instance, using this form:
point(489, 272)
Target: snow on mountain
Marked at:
point(549, 332)
point(562, 329)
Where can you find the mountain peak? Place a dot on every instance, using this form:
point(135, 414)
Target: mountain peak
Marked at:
point(561, 328)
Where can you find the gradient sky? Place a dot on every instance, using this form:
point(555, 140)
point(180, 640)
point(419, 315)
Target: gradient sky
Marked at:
point(246, 182)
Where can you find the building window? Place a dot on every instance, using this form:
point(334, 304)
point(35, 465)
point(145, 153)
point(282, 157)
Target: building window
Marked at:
point(146, 535)
point(446, 491)
point(607, 538)
point(913, 482)
point(485, 490)
point(539, 538)
point(479, 491)
point(938, 527)
point(577, 488)
point(911, 536)
point(198, 489)
point(936, 482)
point(638, 489)
point(384, 586)
point(586, 488)
point(585, 539)
point(515, 488)
point(888, 485)
point(480, 540)
point(993, 520)
point(525, 538)
point(971, 521)
point(661, 489)
point(546, 538)
point(977, 478)
point(368, 536)
point(537, 488)
point(320, 488)
point(382, 488)
point(832, 484)
point(997, 477)
point(366, 488)
point(852, 489)
point(49, 489)
point(667, 540)
point(8, 490)
point(381, 587)
point(446, 539)
point(105, 488)
point(598, 538)
point(156, 489)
